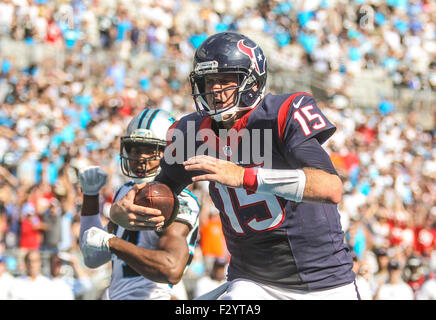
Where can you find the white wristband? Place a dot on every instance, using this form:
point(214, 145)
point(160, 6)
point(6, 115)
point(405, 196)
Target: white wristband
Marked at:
point(288, 184)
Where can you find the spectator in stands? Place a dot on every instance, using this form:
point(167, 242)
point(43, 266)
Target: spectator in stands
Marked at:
point(381, 275)
point(58, 284)
point(33, 285)
point(69, 278)
point(214, 279)
point(211, 240)
point(394, 288)
point(6, 279)
point(414, 273)
point(30, 228)
point(52, 219)
point(428, 289)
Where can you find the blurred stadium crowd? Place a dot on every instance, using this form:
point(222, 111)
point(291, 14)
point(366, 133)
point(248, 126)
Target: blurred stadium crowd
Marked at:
point(103, 61)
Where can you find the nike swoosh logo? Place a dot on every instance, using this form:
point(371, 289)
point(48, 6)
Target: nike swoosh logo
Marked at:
point(297, 105)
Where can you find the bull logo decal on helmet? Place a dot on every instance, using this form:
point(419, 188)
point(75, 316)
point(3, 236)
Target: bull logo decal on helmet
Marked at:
point(255, 54)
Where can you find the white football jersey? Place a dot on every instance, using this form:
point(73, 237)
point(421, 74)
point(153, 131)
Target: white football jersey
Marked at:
point(126, 283)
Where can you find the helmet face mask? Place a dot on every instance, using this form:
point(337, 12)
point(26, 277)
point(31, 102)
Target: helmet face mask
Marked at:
point(217, 101)
point(222, 54)
point(140, 159)
point(142, 147)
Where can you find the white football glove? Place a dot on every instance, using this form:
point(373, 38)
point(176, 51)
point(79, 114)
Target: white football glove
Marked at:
point(95, 240)
point(92, 179)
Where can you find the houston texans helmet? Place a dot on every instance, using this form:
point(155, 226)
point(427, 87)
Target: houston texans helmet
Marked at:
point(148, 130)
point(229, 52)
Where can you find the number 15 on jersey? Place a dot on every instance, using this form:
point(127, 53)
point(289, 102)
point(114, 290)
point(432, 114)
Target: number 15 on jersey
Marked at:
point(248, 211)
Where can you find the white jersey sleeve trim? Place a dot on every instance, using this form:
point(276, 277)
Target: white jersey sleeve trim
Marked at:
point(189, 209)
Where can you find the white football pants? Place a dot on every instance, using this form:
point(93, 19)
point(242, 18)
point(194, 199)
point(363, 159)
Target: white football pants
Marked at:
point(243, 289)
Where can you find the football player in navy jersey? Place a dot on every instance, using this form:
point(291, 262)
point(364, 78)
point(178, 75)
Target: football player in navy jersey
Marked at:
point(279, 211)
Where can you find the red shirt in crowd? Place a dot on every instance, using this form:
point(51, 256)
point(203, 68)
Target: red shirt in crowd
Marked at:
point(54, 33)
point(425, 240)
point(30, 235)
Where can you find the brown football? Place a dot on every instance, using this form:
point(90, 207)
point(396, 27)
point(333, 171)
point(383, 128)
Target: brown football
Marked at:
point(158, 195)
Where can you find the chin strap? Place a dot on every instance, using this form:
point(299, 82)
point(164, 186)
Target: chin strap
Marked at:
point(234, 111)
point(219, 117)
point(149, 178)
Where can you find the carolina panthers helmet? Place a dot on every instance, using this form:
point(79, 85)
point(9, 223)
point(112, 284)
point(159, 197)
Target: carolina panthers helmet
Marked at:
point(147, 129)
point(229, 52)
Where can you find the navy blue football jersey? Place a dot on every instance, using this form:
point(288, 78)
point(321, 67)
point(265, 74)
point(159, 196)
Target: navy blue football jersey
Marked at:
point(271, 240)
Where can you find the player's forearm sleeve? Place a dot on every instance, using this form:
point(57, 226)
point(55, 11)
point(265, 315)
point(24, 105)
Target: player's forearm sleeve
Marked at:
point(98, 258)
point(287, 183)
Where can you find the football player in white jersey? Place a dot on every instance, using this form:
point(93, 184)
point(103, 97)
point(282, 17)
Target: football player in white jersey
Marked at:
point(145, 264)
